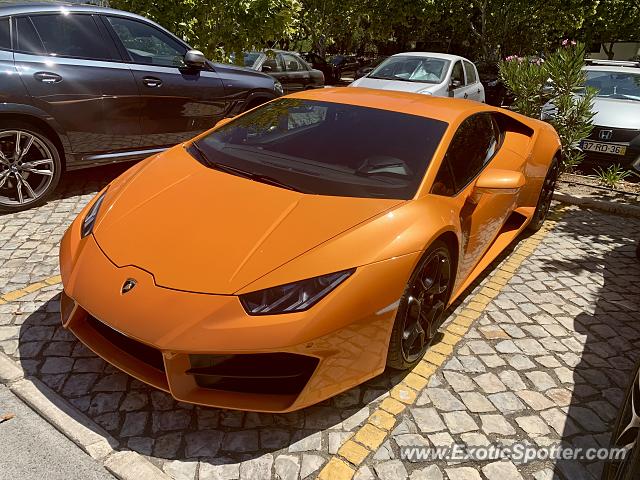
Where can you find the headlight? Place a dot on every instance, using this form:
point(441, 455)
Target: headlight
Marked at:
point(277, 86)
point(90, 219)
point(292, 297)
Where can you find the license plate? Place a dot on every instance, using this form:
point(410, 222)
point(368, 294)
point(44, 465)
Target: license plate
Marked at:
point(604, 148)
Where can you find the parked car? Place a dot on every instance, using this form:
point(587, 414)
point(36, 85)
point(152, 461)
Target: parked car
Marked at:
point(615, 138)
point(306, 244)
point(437, 74)
point(287, 67)
point(344, 65)
point(495, 91)
point(316, 61)
point(368, 66)
point(84, 85)
point(626, 434)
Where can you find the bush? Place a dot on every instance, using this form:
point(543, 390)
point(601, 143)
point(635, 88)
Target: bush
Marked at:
point(554, 91)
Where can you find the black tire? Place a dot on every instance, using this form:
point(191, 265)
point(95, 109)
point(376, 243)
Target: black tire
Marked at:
point(45, 147)
point(629, 467)
point(403, 352)
point(546, 195)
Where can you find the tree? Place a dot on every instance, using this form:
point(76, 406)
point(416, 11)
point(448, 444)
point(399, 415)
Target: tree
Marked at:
point(614, 21)
point(221, 27)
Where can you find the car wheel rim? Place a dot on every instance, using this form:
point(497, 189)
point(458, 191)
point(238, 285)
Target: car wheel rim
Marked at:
point(629, 429)
point(426, 299)
point(548, 188)
point(26, 168)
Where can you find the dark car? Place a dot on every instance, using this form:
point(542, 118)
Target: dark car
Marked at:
point(319, 63)
point(84, 85)
point(287, 67)
point(495, 91)
point(368, 66)
point(344, 66)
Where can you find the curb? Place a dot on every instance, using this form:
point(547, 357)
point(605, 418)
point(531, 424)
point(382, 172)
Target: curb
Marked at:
point(602, 205)
point(76, 426)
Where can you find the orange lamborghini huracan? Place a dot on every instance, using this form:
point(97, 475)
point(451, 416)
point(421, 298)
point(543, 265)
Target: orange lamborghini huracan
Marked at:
point(294, 251)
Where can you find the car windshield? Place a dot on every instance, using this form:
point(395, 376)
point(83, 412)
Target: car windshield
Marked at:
point(325, 148)
point(621, 85)
point(250, 58)
point(412, 69)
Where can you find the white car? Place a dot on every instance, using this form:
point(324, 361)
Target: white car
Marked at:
point(615, 138)
point(437, 74)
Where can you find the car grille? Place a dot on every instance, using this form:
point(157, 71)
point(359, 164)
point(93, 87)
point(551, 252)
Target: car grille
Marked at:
point(265, 373)
point(618, 134)
point(140, 351)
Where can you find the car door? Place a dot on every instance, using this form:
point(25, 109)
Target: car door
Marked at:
point(177, 102)
point(475, 145)
point(297, 74)
point(474, 89)
point(73, 71)
point(457, 87)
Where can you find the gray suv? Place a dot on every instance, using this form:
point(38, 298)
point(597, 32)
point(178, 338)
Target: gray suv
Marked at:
point(83, 86)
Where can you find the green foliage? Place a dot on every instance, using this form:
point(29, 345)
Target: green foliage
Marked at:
point(613, 175)
point(556, 84)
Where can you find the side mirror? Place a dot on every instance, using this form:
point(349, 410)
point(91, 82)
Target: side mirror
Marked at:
point(497, 181)
point(266, 68)
point(455, 84)
point(195, 59)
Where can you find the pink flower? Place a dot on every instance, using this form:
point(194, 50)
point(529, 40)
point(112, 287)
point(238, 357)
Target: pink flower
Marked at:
point(573, 42)
point(565, 42)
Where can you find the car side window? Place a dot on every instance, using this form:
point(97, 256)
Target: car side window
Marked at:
point(74, 36)
point(457, 74)
point(146, 44)
point(470, 73)
point(27, 39)
point(472, 147)
point(292, 64)
point(275, 63)
point(444, 183)
point(5, 34)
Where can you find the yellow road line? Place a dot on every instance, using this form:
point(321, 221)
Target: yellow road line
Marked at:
point(378, 426)
point(34, 287)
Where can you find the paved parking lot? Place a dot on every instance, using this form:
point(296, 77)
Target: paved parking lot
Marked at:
point(538, 352)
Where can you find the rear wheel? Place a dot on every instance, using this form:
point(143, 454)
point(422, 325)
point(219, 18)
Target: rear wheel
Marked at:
point(30, 167)
point(422, 307)
point(626, 434)
point(546, 195)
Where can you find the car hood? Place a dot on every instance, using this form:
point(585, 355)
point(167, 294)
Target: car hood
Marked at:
point(396, 85)
point(616, 113)
point(202, 230)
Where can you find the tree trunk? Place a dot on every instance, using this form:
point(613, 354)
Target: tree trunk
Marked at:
point(608, 51)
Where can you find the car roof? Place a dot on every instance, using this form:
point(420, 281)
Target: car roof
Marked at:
point(446, 109)
point(8, 8)
point(445, 56)
point(612, 68)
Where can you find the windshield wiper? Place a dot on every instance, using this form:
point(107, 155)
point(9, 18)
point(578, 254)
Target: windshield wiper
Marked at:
point(242, 173)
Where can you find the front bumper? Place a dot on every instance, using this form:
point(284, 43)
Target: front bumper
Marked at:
point(628, 138)
point(164, 337)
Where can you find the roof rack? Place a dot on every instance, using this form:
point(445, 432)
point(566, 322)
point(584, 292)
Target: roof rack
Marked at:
point(612, 63)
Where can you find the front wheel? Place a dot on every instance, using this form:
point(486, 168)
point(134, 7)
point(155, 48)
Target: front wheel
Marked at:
point(30, 167)
point(422, 307)
point(546, 195)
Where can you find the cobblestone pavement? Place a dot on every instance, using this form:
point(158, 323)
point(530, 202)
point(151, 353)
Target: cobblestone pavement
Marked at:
point(545, 362)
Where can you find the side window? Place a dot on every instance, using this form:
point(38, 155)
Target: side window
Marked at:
point(291, 63)
point(71, 36)
point(457, 74)
point(148, 45)
point(274, 62)
point(471, 73)
point(28, 40)
point(5, 34)
point(473, 145)
point(444, 184)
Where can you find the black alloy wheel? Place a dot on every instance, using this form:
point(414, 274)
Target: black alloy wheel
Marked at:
point(421, 309)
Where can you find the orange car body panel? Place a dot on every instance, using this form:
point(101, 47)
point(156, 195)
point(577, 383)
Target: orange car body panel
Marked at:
point(182, 232)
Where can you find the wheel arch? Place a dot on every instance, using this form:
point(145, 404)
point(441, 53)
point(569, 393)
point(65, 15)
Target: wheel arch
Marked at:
point(58, 139)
